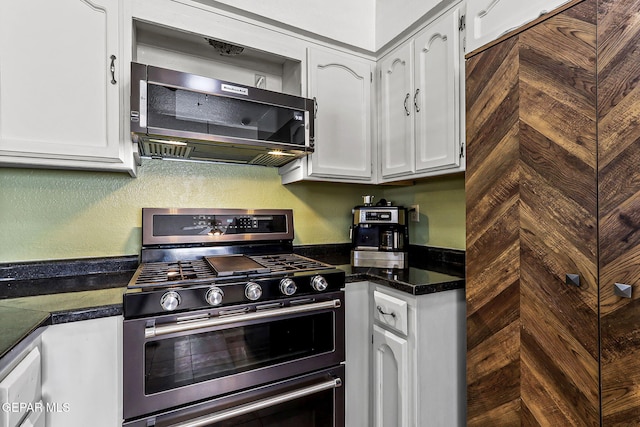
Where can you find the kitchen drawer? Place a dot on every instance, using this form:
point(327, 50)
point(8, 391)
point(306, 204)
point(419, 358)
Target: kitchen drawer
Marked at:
point(35, 418)
point(391, 312)
point(21, 386)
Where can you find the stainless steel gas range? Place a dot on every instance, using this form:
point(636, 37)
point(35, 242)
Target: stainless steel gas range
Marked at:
point(225, 325)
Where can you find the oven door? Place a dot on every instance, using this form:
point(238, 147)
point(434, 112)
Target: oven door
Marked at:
point(178, 359)
point(310, 400)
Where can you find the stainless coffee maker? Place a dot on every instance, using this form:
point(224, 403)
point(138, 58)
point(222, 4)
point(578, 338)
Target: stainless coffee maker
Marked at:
point(379, 235)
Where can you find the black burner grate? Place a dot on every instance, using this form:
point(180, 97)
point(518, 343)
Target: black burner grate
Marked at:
point(155, 273)
point(289, 262)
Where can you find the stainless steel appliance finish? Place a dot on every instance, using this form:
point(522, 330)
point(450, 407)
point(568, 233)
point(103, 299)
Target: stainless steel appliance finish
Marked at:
point(315, 399)
point(176, 115)
point(242, 316)
point(379, 236)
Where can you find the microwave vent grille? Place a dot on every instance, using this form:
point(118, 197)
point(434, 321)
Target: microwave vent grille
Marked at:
point(155, 149)
point(270, 160)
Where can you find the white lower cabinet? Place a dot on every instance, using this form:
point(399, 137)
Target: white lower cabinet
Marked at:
point(82, 373)
point(391, 379)
point(20, 388)
point(418, 358)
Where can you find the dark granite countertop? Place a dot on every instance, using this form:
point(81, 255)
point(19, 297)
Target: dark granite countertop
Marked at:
point(33, 295)
point(21, 316)
point(412, 280)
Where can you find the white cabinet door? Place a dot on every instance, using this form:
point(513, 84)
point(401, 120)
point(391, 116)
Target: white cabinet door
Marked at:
point(341, 86)
point(396, 112)
point(437, 93)
point(421, 105)
point(82, 373)
point(59, 99)
point(358, 354)
point(392, 390)
point(489, 19)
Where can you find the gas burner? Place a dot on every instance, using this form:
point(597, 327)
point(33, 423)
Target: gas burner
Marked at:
point(289, 262)
point(156, 274)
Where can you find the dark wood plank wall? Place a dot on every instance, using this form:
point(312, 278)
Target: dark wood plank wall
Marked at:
point(493, 246)
point(532, 356)
point(619, 207)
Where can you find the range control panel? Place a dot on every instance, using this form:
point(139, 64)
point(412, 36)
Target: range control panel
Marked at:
point(178, 226)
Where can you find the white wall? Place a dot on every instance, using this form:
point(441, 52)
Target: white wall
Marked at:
point(366, 24)
point(394, 16)
point(348, 21)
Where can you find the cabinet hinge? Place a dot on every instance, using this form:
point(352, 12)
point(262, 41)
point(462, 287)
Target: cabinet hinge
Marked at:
point(462, 150)
point(462, 24)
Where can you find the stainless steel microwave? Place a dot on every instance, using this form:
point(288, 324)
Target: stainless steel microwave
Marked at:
point(182, 116)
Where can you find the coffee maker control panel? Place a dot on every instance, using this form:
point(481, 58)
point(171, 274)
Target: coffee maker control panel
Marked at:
point(378, 216)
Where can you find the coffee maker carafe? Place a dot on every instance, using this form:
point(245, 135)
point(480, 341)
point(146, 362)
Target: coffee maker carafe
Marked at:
point(379, 236)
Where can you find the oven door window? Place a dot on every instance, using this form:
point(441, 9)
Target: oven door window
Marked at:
point(188, 359)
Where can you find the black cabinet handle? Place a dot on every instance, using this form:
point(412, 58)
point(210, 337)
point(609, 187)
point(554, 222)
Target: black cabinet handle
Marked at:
point(572, 279)
point(622, 290)
point(406, 103)
point(381, 311)
point(113, 69)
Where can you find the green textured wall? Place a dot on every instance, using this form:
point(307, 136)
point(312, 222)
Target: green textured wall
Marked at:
point(442, 210)
point(48, 214)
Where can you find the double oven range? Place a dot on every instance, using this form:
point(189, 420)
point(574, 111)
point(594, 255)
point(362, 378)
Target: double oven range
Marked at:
point(226, 326)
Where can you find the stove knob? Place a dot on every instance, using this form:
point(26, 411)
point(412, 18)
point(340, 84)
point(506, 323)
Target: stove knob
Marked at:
point(214, 295)
point(253, 291)
point(288, 287)
point(170, 301)
point(319, 283)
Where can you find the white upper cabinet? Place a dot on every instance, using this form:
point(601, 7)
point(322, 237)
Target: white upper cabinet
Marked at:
point(341, 86)
point(421, 109)
point(489, 19)
point(60, 85)
point(396, 124)
point(437, 94)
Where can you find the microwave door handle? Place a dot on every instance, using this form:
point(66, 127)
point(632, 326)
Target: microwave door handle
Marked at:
point(216, 417)
point(154, 331)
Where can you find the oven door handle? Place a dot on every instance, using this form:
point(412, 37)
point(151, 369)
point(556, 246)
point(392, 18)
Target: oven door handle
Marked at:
point(260, 404)
point(154, 331)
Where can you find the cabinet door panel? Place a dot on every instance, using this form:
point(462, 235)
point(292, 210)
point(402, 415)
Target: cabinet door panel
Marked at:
point(82, 369)
point(437, 88)
point(531, 218)
point(619, 207)
point(396, 112)
point(390, 378)
point(341, 86)
point(57, 99)
point(493, 237)
point(558, 219)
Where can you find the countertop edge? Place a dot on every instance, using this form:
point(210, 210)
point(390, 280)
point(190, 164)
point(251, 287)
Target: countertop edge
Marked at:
point(416, 290)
